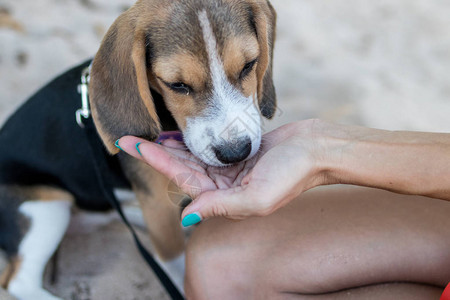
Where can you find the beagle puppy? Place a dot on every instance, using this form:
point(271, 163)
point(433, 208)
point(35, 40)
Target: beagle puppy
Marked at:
point(198, 66)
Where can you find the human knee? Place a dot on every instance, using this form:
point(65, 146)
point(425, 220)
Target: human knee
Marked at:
point(214, 268)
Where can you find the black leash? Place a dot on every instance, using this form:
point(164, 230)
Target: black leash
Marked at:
point(102, 173)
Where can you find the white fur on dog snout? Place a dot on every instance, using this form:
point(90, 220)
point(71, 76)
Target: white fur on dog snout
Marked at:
point(229, 116)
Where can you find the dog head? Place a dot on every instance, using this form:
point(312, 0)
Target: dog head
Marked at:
point(211, 61)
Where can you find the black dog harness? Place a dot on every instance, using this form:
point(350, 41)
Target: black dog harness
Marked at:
point(41, 144)
point(100, 163)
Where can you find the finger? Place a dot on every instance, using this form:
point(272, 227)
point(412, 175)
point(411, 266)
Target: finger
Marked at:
point(168, 163)
point(147, 151)
point(186, 158)
point(155, 155)
point(128, 145)
point(185, 155)
point(236, 203)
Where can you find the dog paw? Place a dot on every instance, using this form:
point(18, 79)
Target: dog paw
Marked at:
point(27, 293)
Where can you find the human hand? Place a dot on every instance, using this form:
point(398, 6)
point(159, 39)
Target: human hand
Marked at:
point(285, 166)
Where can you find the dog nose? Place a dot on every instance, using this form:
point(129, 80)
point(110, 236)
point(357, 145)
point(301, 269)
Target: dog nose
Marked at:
point(233, 152)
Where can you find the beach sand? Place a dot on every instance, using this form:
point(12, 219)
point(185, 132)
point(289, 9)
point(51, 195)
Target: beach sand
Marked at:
point(382, 64)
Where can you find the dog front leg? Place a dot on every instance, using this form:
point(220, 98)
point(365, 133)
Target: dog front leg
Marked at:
point(163, 222)
point(161, 215)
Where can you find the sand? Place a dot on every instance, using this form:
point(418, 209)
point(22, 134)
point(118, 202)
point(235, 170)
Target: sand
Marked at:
point(382, 64)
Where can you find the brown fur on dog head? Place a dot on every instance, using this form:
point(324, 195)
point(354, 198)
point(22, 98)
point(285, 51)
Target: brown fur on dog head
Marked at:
point(123, 69)
point(265, 24)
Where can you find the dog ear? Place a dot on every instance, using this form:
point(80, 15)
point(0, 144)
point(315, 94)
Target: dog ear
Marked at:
point(265, 23)
point(120, 96)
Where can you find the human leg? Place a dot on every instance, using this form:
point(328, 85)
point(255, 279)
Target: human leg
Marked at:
point(326, 241)
point(387, 291)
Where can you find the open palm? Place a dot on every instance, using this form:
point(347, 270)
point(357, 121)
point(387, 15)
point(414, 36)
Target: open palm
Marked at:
point(274, 176)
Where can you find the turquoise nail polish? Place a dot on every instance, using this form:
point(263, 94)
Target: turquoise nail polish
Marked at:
point(137, 148)
point(191, 219)
point(117, 145)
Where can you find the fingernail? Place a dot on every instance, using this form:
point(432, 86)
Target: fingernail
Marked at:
point(191, 219)
point(117, 144)
point(137, 148)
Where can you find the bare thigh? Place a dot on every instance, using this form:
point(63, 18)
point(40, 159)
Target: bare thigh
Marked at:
point(328, 240)
point(384, 291)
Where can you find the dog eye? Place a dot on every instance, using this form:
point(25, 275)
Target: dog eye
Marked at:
point(180, 87)
point(247, 69)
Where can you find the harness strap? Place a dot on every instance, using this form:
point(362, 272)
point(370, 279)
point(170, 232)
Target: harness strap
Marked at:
point(102, 174)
